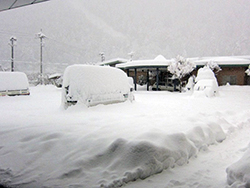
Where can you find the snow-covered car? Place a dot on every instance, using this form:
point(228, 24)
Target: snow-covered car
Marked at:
point(163, 86)
point(92, 85)
point(13, 83)
point(206, 83)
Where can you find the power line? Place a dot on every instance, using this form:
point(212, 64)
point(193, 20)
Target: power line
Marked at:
point(5, 32)
point(71, 46)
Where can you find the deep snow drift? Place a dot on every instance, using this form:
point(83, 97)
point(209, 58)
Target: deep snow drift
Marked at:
point(111, 145)
point(238, 174)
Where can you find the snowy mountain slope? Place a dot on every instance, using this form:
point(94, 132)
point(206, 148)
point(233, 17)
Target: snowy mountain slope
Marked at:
point(78, 31)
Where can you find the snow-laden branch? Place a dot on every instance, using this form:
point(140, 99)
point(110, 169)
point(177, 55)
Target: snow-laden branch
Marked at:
point(213, 65)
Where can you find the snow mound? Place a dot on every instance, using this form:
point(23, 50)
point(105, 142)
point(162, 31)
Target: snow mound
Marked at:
point(151, 153)
point(206, 83)
point(160, 58)
point(238, 174)
point(92, 85)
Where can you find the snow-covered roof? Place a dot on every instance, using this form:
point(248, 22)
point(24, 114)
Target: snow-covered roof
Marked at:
point(56, 75)
point(223, 60)
point(113, 61)
point(159, 61)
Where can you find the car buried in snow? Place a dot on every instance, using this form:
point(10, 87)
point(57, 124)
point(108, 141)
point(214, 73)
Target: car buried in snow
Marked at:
point(92, 85)
point(13, 83)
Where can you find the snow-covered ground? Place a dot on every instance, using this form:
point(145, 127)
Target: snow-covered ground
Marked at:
point(171, 139)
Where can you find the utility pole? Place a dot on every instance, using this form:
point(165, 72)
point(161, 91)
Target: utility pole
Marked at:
point(41, 36)
point(102, 56)
point(12, 44)
point(131, 56)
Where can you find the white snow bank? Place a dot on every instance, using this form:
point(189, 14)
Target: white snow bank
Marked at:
point(92, 85)
point(124, 161)
point(206, 83)
point(238, 174)
point(44, 146)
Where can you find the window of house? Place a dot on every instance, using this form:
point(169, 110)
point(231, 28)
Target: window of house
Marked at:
point(232, 80)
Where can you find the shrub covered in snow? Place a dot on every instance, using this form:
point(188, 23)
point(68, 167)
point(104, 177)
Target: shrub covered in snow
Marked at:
point(206, 83)
point(248, 71)
point(180, 67)
point(92, 85)
point(213, 66)
point(190, 83)
point(238, 174)
point(14, 83)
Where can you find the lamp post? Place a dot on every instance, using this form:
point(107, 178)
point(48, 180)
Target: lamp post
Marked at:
point(12, 44)
point(41, 36)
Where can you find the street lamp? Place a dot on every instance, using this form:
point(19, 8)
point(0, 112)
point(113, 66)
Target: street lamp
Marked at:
point(12, 44)
point(41, 36)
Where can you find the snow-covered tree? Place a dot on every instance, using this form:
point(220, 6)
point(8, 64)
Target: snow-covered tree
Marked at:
point(248, 71)
point(213, 66)
point(180, 67)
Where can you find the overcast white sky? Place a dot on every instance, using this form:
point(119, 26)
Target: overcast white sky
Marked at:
point(78, 30)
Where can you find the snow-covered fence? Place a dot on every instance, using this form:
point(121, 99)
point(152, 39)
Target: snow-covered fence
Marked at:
point(92, 85)
point(13, 83)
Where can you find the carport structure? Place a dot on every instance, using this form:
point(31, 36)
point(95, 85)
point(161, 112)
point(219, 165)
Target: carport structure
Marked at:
point(156, 65)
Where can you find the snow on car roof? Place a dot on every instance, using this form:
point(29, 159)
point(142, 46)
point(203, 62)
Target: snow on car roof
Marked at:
point(13, 81)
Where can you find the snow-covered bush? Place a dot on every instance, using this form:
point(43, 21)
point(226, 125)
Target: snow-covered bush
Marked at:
point(92, 85)
point(14, 83)
point(190, 83)
point(248, 71)
point(180, 67)
point(206, 83)
point(238, 174)
point(213, 66)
